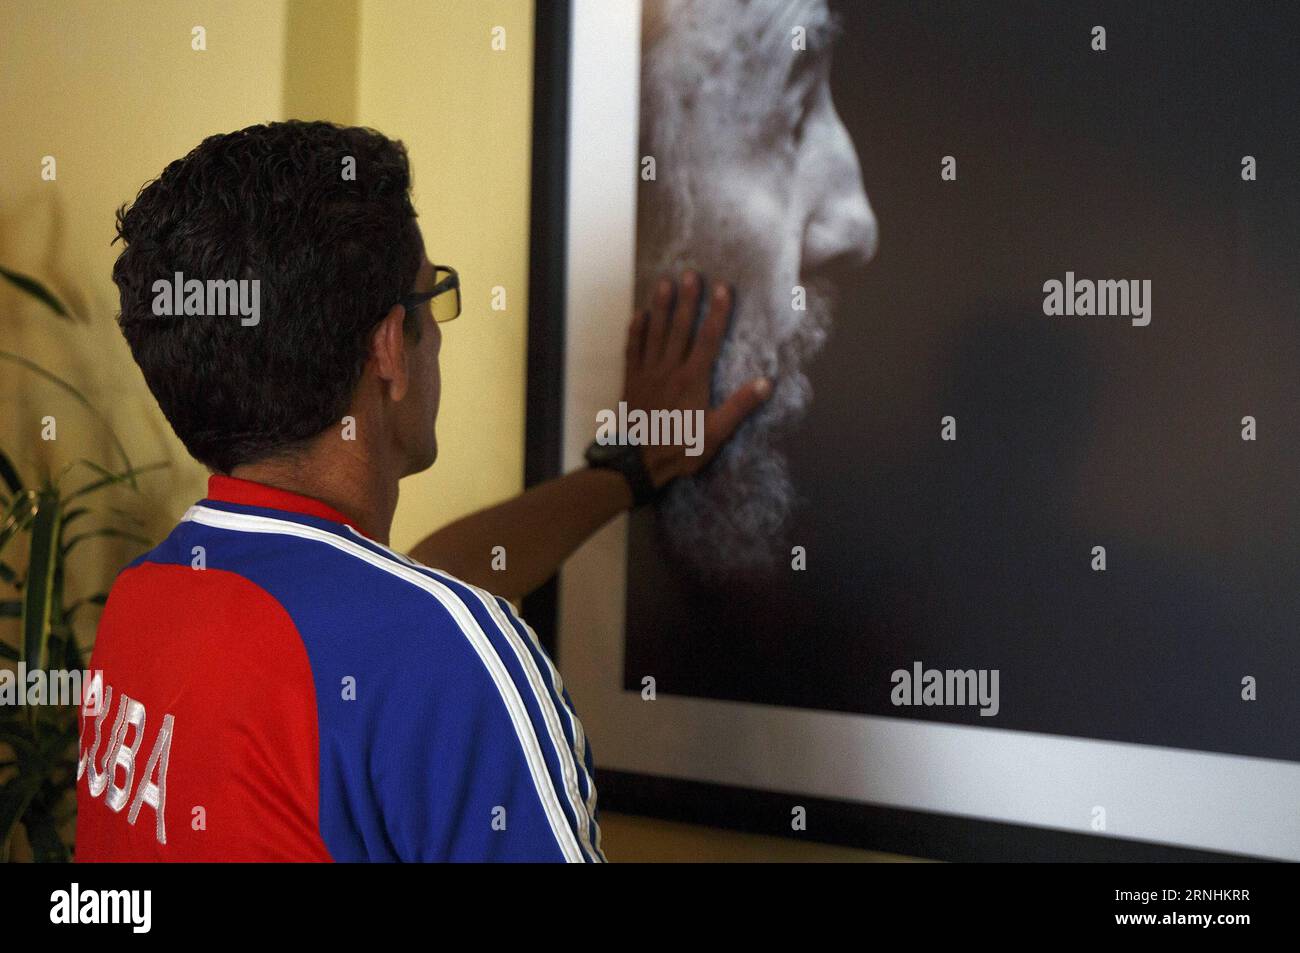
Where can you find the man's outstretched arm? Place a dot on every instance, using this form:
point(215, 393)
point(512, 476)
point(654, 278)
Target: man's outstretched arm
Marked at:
point(667, 368)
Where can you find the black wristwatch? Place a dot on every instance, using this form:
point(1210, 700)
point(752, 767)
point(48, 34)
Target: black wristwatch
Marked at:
point(626, 459)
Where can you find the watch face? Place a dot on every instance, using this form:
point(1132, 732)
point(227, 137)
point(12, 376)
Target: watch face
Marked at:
point(605, 454)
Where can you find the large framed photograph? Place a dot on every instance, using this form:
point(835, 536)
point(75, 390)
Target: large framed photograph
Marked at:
point(1008, 567)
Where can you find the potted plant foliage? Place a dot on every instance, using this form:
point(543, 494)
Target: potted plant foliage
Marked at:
point(49, 518)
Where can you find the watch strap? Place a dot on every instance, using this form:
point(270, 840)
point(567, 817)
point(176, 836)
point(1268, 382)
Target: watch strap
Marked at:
point(628, 461)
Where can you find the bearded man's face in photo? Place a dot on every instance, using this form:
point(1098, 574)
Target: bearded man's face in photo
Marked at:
point(756, 183)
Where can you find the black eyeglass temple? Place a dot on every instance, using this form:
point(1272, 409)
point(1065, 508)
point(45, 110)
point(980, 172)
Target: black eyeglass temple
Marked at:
point(419, 297)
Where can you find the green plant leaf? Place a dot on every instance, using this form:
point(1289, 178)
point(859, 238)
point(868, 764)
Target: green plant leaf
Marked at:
point(72, 654)
point(9, 473)
point(37, 290)
point(81, 399)
point(110, 531)
point(59, 632)
point(15, 796)
point(38, 594)
point(76, 513)
point(98, 599)
point(43, 834)
point(16, 516)
point(129, 517)
point(18, 735)
point(110, 478)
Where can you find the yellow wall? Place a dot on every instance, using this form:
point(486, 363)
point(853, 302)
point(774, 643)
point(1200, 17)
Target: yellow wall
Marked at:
point(430, 77)
point(113, 91)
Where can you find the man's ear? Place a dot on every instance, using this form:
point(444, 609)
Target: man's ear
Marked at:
point(388, 352)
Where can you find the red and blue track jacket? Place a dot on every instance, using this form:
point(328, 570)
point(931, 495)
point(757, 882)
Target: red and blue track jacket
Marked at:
point(276, 686)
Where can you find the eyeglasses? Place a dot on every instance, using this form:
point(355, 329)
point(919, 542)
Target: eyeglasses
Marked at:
point(445, 307)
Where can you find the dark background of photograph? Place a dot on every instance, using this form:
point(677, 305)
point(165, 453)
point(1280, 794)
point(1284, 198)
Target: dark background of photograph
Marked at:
point(1072, 431)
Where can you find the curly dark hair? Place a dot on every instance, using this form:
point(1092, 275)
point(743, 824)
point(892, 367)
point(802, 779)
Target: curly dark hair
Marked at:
point(332, 252)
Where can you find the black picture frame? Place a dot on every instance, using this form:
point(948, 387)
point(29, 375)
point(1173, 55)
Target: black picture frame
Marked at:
point(845, 823)
point(547, 232)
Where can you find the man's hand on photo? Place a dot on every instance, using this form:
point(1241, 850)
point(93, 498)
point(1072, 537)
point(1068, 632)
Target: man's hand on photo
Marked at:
point(670, 367)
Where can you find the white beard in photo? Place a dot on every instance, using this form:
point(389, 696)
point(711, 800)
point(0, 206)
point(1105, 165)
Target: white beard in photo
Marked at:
point(756, 183)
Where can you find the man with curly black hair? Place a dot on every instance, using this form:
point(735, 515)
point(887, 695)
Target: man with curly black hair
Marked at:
point(273, 682)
